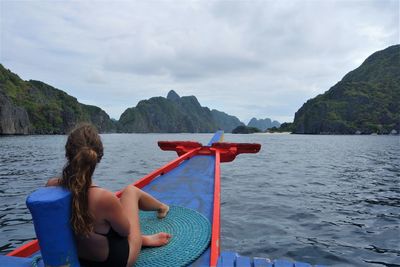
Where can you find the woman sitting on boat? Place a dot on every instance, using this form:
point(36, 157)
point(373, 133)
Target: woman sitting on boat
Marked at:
point(106, 228)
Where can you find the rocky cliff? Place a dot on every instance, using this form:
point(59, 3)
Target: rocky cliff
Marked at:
point(100, 118)
point(33, 107)
point(365, 101)
point(173, 114)
point(13, 119)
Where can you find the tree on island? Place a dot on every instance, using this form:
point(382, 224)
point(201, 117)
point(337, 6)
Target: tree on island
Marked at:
point(245, 130)
point(286, 127)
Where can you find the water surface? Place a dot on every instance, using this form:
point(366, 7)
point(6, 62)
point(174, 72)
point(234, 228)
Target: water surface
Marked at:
point(332, 200)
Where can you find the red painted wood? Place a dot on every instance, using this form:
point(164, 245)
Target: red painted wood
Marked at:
point(228, 151)
point(26, 250)
point(215, 231)
point(176, 145)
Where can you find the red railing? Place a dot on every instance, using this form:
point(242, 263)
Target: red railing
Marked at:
point(26, 249)
point(215, 230)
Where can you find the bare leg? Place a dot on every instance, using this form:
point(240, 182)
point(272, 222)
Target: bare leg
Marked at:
point(147, 202)
point(131, 199)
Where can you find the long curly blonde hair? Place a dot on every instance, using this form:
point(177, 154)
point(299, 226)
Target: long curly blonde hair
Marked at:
point(83, 151)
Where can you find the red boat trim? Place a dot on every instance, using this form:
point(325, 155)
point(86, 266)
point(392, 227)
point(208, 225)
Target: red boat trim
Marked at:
point(228, 151)
point(215, 231)
point(163, 170)
point(25, 250)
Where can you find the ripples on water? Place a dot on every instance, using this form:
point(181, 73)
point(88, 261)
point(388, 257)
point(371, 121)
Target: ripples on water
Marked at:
point(332, 200)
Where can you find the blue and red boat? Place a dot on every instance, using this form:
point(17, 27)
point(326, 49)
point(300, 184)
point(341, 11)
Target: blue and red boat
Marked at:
point(193, 181)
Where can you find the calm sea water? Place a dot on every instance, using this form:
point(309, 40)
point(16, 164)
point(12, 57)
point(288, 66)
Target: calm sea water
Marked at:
point(332, 200)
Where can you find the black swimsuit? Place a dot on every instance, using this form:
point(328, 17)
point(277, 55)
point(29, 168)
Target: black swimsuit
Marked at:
point(118, 251)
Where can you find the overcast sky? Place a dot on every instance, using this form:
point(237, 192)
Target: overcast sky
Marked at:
point(247, 58)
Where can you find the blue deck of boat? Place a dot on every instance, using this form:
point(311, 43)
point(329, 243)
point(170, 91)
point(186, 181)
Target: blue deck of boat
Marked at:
point(190, 185)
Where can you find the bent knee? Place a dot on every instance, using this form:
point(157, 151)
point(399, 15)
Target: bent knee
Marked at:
point(131, 190)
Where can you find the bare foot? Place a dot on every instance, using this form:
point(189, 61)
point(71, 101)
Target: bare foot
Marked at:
point(156, 240)
point(163, 211)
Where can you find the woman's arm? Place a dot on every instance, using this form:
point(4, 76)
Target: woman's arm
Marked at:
point(53, 182)
point(114, 213)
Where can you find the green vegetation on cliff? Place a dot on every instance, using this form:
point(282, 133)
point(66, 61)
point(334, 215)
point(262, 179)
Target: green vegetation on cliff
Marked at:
point(157, 114)
point(173, 114)
point(283, 128)
point(366, 100)
point(245, 130)
point(50, 110)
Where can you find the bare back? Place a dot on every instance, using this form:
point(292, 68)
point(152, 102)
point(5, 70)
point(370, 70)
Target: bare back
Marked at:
point(95, 246)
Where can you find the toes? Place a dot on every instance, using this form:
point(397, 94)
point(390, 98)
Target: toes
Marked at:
point(166, 240)
point(165, 237)
point(163, 211)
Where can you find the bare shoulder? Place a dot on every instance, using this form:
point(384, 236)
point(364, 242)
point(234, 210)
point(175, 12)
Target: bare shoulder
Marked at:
point(53, 182)
point(107, 200)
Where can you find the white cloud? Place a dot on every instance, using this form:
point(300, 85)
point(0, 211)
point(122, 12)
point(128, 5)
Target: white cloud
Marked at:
point(247, 58)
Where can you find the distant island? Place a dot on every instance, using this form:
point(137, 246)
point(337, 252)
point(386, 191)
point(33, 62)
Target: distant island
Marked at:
point(263, 124)
point(245, 130)
point(257, 126)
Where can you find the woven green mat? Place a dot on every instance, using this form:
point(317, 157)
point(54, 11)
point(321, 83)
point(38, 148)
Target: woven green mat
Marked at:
point(191, 234)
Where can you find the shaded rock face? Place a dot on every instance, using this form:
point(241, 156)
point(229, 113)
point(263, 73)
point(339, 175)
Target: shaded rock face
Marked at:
point(100, 118)
point(69, 120)
point(365, 101)
point(225, 122)
point(13, 119)
point(173, 96)
point(263, 124)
